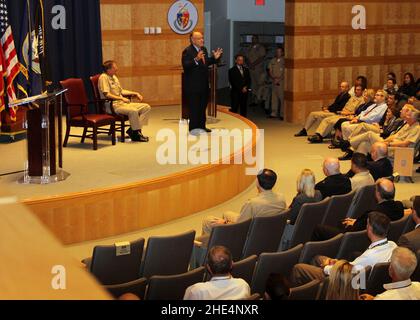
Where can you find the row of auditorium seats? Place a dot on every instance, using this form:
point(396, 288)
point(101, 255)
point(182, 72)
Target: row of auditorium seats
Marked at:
point(167, 259)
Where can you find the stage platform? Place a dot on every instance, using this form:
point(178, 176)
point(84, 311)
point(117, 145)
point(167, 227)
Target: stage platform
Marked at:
point(123, 188)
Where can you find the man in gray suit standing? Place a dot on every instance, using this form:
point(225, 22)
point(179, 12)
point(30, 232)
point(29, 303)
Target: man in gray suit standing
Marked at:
point(411, 240)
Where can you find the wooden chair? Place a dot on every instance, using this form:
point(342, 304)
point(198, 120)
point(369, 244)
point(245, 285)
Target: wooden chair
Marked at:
point(122, 119)
point(77, 114)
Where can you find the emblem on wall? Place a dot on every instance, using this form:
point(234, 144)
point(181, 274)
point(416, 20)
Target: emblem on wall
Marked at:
point(183, 17)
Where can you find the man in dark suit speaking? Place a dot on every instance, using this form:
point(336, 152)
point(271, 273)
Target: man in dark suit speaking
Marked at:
point(195, 61)
point(240, 82)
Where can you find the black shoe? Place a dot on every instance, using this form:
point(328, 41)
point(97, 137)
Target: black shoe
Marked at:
point(315, 139)
point(347, 156)
point(129, 131)
point(345, 145)
point(281, 118)
point(139, 138)
point(207, 130)
point(301, 133)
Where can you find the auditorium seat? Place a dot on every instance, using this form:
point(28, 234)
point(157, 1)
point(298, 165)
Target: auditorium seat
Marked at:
point(363, 201)
point(244, 269)
point(328, 248)
point(265, 234)
point(378, 277)
point(310, 215)
point(307, 291)
point(274, 263)
point(173, 287)
point(122, 119)
point(352, 245)
point(77, 114)
point(137, 287)
point(396, 228)
point(168, 255)
point(111, 266)
point(337, 209)
point(231, 236)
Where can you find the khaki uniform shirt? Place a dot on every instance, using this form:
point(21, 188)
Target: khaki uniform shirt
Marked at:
point(353, 103)
point(276, 67)
point(267, 203)
point(108, 84)
point(409, 133)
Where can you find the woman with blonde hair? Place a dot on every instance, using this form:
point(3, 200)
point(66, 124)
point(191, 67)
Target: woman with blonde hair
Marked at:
point(306, 193)
point(340, 284)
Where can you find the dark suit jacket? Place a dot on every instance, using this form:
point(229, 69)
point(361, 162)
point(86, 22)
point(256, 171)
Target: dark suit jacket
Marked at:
point(340, 102)
point(394, 210)
point(237, 81)
point(196, 75)
point(381, 168)
point(395, 125)
point(334, 185)
point(411, 240)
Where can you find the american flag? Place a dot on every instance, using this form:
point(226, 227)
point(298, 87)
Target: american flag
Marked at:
point(10, 63)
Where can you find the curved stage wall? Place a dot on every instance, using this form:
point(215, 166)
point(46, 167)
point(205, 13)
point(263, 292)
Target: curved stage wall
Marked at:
point(102, 213)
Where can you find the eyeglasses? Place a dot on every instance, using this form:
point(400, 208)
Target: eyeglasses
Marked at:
point(379, 95)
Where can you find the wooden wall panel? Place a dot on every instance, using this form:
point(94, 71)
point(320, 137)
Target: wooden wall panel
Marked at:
point(322, 49)
point(148, 63)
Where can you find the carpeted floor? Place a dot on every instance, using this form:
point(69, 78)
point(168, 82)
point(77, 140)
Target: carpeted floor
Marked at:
point(284, 153)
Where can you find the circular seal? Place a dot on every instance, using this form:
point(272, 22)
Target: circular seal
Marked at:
point(183, 17)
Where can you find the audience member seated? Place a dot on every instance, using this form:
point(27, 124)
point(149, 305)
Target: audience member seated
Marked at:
point(368, 98)
point(340, 284)
point(403, 264)
point(222, 285)
point(335, 182)
point(374, 114)
point(380, 166)
point(327, 125)
point(306, 193)
point(385, 194)
point(391, 85)
point(406, 137)
point(391, 76)
point(266, 203)
point(411, 240)
point(380, 250)
point(317, 116)
point(407, 89)
point(360, 81)
point(362, 176)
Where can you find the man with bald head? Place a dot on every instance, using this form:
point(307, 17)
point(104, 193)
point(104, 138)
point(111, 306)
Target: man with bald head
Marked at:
point(384, 194)
point(316, 117)
point(381, 166)
point(195, 62)
point(335, 182)
point(222, 286)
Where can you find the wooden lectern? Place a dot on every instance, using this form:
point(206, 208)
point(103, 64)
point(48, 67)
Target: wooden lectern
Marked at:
point(212, 105)
point(44, 138)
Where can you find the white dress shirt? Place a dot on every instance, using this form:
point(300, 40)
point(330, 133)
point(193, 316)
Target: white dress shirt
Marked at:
point(219, 288)
point(374, 113)
point(402, 290)
point(378, 251)
point(361, 179)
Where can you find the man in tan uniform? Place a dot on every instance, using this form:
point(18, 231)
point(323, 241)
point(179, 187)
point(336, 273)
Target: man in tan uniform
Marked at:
point(407, 137)
point(138, 113)
point(256, 55)
point(327, 124)
point(265, 204)
point(276, 70)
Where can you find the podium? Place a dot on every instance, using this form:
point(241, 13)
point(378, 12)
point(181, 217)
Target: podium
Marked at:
point(43, 123)
point(212, 104)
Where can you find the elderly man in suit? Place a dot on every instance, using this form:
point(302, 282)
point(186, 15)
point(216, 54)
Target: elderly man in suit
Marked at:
point(411, 240)
point(380, 166)
point(240, 82)
point(195, 62)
